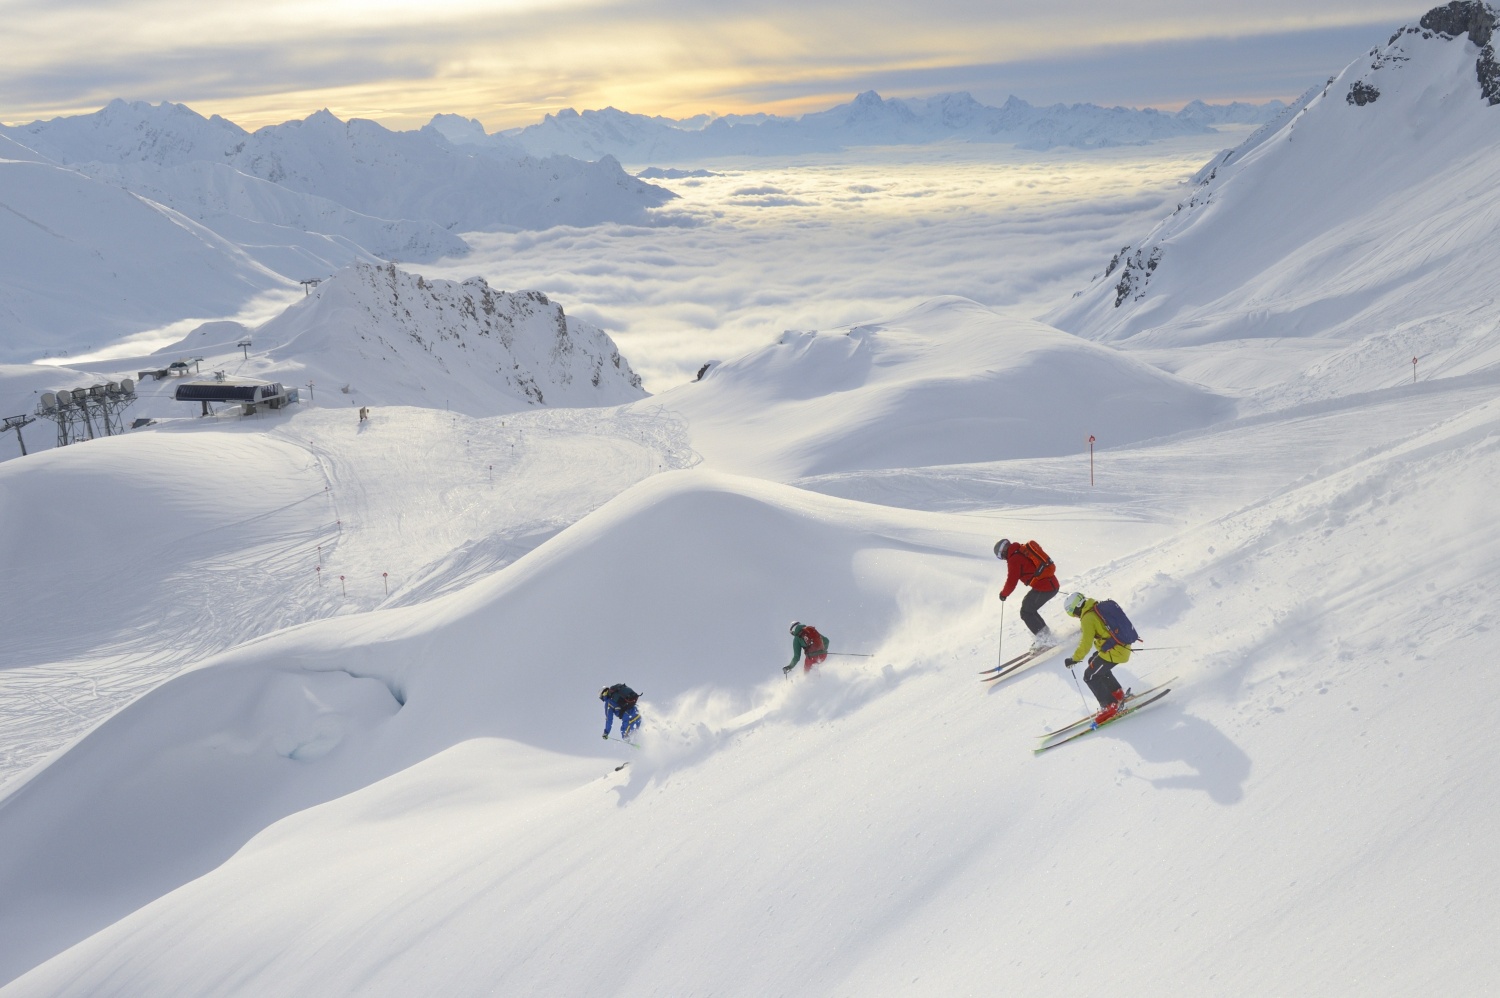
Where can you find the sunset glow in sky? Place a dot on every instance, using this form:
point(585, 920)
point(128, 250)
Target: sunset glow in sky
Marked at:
point(508, 62)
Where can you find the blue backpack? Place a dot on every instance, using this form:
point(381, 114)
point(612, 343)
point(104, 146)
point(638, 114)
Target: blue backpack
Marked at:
point(1121, 630)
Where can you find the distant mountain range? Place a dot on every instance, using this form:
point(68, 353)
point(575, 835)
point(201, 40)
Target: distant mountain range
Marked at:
point(140, 215)
point(868, 120)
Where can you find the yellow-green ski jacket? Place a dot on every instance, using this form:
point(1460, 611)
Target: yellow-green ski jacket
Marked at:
point(1094, 636)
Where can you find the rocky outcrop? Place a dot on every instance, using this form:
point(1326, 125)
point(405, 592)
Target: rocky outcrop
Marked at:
point(1489, 75)
point(1361, 94)
point(1138, 271)
point(1462, 17)
point(1477, 20)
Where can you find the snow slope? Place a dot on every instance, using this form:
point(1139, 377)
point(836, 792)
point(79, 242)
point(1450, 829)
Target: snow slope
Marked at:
point(83, 264)
point(875, 828)
point(1363, 222)
point(290, 232)
point(949, 382)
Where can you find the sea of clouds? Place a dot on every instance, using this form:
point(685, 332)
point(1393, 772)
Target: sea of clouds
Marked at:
point(761, 247)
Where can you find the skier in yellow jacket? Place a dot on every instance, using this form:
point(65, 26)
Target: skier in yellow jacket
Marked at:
point(1107, 653)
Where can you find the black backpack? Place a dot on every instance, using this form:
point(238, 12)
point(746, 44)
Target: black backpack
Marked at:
point(623, 696)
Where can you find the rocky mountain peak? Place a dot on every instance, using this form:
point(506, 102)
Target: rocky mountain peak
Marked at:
point(1461, 17)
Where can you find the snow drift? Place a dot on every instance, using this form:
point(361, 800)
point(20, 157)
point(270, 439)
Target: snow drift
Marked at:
point(948, 382)
point(318, 711)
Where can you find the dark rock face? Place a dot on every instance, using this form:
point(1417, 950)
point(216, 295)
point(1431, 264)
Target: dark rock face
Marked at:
point(1462, 17)
point(1489, 75)
point(1138, 271)
point(1361, 94)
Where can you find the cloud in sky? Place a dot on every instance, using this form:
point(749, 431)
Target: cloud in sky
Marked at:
point(833, 240)
point(508, 61)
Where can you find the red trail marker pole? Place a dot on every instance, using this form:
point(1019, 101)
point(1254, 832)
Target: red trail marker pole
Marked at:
point(1091, 460)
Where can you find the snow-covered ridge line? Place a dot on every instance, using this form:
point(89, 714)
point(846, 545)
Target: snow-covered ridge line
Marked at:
point(394, 338)
point(359, 164)
point(867, 120)
point(1338, 221)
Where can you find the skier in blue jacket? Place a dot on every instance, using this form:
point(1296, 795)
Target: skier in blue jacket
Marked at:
point(619, 701)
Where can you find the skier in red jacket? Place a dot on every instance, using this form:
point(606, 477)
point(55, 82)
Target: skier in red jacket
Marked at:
point(1028, 563)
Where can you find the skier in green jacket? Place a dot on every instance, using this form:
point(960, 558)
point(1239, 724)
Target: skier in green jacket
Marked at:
point(806, 640)
point(1107, 654)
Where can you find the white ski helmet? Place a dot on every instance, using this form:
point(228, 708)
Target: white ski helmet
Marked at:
point(1002, 548)
point(1074, 603)
point(796, 626)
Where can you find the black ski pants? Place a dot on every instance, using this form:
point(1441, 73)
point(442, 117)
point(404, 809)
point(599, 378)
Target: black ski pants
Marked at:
point(1034, 601)
point(1101, 679)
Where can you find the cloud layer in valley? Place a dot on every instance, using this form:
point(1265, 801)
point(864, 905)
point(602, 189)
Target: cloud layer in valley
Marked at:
point(759, 248)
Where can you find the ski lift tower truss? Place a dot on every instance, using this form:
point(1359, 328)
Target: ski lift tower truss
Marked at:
point(16, 423)
point(86, 413)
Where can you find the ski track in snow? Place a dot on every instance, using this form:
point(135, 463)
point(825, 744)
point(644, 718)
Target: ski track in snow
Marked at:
point(411, 493)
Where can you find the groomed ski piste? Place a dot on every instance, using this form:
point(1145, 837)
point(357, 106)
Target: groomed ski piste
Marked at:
point(304, 789)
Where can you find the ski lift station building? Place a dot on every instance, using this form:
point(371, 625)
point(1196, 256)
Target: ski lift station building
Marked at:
point(238, 391)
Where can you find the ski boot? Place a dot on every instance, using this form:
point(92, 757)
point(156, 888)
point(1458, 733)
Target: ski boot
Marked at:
point(1110, 710)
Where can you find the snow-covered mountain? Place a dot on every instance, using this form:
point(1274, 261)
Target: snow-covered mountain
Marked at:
point(358, 164)
point(279, 205)
point(867, 120)
point(372, 169)
point(381, 336)
point(1364, 220)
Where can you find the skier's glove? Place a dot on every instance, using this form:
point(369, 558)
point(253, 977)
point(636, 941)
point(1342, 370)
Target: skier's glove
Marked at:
point(1070, 662)
point(1002, 599)
point(786, 668)
point(606, 736)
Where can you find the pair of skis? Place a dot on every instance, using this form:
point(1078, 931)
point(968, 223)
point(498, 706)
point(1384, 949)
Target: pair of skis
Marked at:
point(1021, 662)
point(1087, 725)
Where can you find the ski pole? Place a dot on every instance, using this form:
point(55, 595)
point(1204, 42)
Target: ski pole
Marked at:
point(851, 654)
point(1160, 648)
point(1001, 657)
point(1079, 688)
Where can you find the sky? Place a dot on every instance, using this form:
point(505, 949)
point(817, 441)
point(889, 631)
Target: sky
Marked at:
point(508, 62)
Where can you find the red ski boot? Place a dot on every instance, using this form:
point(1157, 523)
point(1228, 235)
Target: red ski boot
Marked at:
point(1110, 711)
